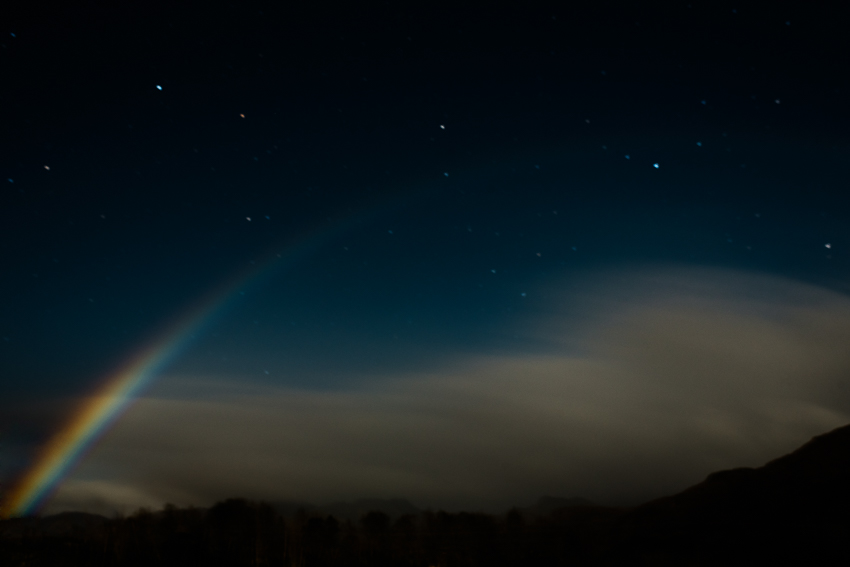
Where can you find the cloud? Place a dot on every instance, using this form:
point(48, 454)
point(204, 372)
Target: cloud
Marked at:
point(657, 378)
point(102, 497)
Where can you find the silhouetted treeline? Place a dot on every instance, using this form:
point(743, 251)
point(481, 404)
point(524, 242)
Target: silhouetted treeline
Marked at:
point(238, 533)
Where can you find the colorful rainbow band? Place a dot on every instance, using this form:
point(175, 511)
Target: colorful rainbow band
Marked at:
point(103, 408)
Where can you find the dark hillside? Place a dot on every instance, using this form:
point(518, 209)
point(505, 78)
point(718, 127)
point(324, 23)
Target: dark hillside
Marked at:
point(797, 506)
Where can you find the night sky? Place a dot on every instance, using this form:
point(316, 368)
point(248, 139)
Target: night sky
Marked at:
point(462, 254)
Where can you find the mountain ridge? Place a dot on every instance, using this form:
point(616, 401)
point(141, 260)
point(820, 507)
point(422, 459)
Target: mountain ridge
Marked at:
point(792, 506)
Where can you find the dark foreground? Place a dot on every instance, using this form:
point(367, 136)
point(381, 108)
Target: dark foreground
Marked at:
point(794, 510)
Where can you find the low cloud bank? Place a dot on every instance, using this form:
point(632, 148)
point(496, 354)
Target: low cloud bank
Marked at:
point(667, 375)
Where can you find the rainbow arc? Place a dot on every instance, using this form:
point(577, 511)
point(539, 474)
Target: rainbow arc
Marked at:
point(100, 410)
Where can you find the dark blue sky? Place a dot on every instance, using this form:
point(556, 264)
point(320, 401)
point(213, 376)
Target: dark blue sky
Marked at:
point(468, 170)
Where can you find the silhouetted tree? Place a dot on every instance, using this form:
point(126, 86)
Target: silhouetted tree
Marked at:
point(244, 533)
point(375, 541)
point(321, 541)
